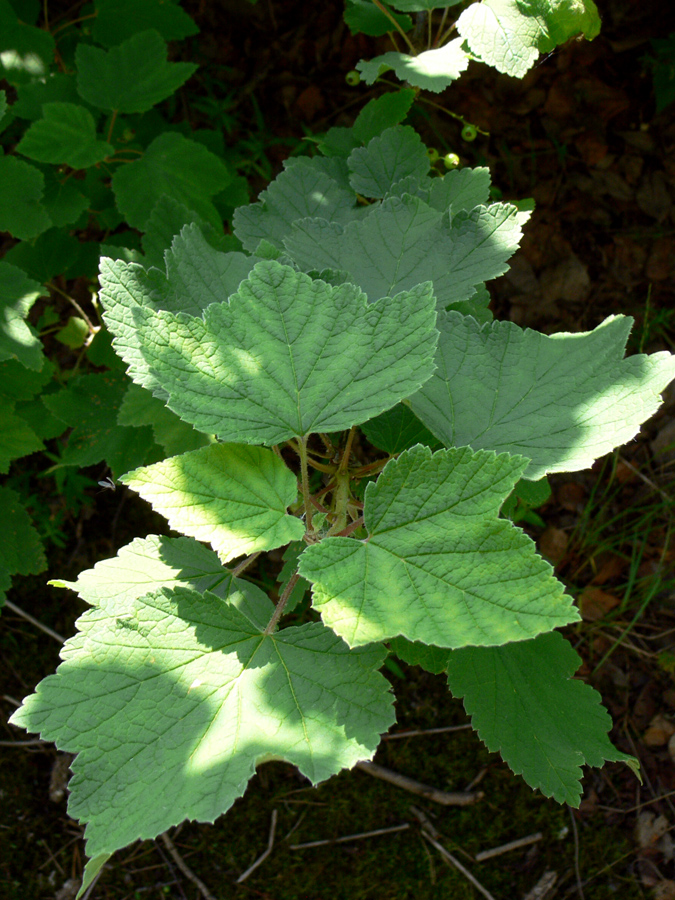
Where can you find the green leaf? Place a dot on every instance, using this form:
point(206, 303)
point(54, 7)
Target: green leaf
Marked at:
point(422, 5)
point(62, 200)
point(130, 78)
point(438, 565)
point(21, 551)
point(50, 254)
point(381, 113)
point(525, 703)
point(398, 429)
point(283, 357)
point(561, 400)
point(166, 221)
point(431, 659)
point(301, 190)
point(26, 53)
point(363, 17)
point(65, 134)
point(229, 495)
point(117, 20)
point(148, 564)
point(461, 189)
point(17, 339)
point(431, 70)
point(74, 333)
point(139, 408)
point(173, 165)
point(31, 97)
point(404, 241)
point(21, 187)
point(17, 438)
point(510, 34)
point(19, 383)
point(201, 696)
point(398, 153)
point(90, 404)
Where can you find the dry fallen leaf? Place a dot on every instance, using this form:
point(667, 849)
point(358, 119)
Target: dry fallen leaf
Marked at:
point(594, 603)
point(649, 829)
point(659, 732)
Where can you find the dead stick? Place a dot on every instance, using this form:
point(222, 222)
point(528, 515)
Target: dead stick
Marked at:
point(449, 858)
point(185, 869)
point(351, 837)
point(263, 856)
point(419, 733)
point(512, 845)
point(416, 787)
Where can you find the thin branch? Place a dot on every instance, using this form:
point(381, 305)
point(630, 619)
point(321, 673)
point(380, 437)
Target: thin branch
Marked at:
point(306, 493)
point(73, 301)
point(353, 526)
point(283, 600)
point(385, 11)
point(646, 480)
point(419, 733)
point(577, 870)
point(449, 858)
point(263, 856)
point(422, 790)
point(236, 572)
point(351, 837)
point(185, 869)
point(344, 462)
point(506, 848)
point(29, 618)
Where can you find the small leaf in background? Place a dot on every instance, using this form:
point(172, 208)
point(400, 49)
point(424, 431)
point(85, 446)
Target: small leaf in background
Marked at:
point(132, 77)
point(17, 438)
point(65, 134)
point(176, 167)
point(74, 334)
point(17, 338)
point(139, 407)
point(21, 551)
point(231, 496)
point(398, 429)
point(431, 70)
point(49, 254)
point(118, 20)
point(26, 53)
point(524, 702)
point(362, 16)
point(21, 190)
point(381, 113)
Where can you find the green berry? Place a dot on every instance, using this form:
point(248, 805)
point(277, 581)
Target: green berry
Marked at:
point(469, 133)
point(451, 160)
point(432, 153)
point(353, 78)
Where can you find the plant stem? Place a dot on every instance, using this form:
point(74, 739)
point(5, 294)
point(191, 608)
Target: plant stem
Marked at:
point(283, 600)
point(112, 125)
point(306, 494)
point(441, 26)
point(344, 462)
point(405, 37)
point(236, 572)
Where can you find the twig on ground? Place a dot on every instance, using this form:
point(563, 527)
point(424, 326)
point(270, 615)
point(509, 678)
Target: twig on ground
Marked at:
point(544, 886)
point(512, 845)
point(185, 869)
point(450, 859)
point(351, 837)
point(29, 618)
point(33, 743)
point(419, 733)
point(577, 870)
point(415, 787)
point(263, 856)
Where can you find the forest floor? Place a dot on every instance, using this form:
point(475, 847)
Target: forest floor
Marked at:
point(581, 135)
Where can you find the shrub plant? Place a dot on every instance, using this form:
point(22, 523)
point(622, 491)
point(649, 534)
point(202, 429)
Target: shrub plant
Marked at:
point(350, 399)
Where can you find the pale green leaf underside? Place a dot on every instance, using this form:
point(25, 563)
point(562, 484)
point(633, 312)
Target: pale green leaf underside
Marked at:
point(229, 495)
point(405, 241)
point(172, 724)
point(286, 356)
point(561, 400)
point(510, 34)
point(525, 704)
point(431, 70)
point(148, 564)
point(397, 154)
point(439, 566)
